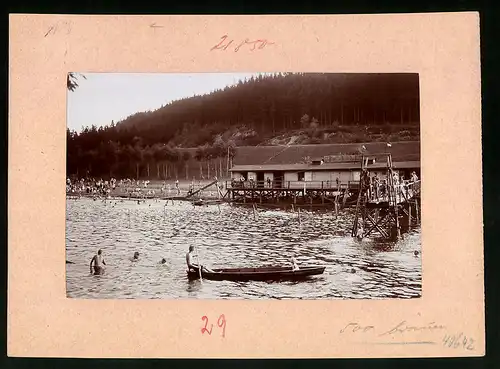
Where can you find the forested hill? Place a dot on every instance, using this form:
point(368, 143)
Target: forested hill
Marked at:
point(284, 108)
point(266, 106)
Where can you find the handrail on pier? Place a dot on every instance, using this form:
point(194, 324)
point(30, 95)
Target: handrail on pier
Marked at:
point(400, 192)
point(283, 185)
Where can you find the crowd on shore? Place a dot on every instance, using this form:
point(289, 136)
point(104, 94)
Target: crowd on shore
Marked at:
point(98, 188)
point(90, 186)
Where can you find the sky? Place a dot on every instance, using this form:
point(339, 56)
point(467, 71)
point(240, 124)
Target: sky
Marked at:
point(103, 97)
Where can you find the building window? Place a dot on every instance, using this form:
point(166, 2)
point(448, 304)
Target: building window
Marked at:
point(301, 176)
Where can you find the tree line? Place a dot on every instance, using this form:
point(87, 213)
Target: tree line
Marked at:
point(160, 161)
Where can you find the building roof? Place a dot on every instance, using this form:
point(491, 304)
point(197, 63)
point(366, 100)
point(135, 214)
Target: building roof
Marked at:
point(325, 166)
point(295, 154)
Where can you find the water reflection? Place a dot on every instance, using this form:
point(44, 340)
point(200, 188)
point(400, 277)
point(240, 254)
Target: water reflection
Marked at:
point(229, 237)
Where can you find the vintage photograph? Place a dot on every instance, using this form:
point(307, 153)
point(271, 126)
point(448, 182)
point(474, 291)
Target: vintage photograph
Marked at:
point(243, 186)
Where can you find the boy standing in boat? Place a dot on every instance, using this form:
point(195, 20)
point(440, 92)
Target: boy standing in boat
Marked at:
point(97, 260)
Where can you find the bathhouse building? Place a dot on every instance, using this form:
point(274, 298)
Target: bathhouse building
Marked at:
point(317, 170)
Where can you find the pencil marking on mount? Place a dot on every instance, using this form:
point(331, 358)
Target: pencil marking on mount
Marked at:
point(154, 25)
point(50, 30)
point(224, 44)
point(399, 330)
point(55, 28)
point(402, 327)
point(459, 340)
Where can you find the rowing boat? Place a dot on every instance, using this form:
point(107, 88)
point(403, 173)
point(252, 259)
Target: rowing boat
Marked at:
point(201, 202)
point(256, 274)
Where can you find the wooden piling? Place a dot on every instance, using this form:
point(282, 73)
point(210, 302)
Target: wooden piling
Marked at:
point(409, 215)
point(397, 221)
point(298, 213)
point(346, 192)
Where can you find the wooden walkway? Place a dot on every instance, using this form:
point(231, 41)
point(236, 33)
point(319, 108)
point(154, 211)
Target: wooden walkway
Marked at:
point(297, 192)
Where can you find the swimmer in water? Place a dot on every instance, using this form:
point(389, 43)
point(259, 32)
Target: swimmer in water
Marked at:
point(359, 234)
point(135, 257)
point(97, 260)
point(163, 261)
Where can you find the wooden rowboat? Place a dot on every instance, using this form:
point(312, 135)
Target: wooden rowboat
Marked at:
point(201, 202)
point(257, 274)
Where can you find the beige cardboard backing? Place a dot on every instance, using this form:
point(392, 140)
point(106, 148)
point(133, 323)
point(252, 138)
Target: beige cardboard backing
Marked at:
point(442, 48)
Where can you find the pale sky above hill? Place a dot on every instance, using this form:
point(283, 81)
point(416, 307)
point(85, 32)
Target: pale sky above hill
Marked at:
point(104, 97)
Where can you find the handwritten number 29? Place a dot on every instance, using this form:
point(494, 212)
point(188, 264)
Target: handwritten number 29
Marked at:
point(221, 323)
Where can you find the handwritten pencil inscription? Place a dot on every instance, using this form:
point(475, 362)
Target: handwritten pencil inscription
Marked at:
point(458, 340)
point(59, 26)
point(355, 327)
point(403, 327)
point(226, 43)
point(397, 334)
point(398, 329)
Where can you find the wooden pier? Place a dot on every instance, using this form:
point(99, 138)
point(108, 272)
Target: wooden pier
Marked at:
point(385, 209)
point(294, 192)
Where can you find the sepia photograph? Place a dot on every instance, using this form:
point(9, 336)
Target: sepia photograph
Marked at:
point(278, 185)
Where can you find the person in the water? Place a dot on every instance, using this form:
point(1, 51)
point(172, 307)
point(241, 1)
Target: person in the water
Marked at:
point(359, 234)
point(135, 257)
point(98, 261)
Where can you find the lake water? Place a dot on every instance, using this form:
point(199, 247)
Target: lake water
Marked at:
point(230, 237)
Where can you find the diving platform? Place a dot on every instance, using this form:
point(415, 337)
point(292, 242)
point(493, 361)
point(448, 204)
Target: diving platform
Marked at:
point(387, 208)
